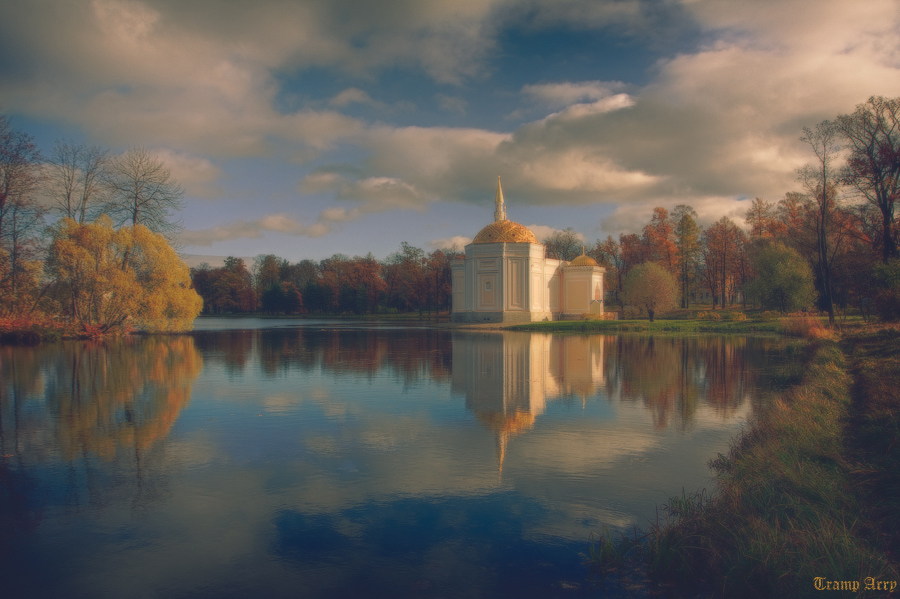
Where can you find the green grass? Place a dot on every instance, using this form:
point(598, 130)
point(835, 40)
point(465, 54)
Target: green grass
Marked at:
point(662, 326)
point(811, 490)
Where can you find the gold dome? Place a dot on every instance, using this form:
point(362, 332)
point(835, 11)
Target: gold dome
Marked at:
point(505, 231)
point(583, 260)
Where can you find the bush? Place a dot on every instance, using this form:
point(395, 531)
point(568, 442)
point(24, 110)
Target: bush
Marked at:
point(804, 325)
point(886, 281)
point(631, 313)
point(784, 281)
point(651, 287)
point(714, 316)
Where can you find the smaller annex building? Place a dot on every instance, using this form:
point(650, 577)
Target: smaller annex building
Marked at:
point(506, 276)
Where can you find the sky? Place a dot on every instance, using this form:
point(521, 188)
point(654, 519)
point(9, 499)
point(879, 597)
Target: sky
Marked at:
point(315, 127)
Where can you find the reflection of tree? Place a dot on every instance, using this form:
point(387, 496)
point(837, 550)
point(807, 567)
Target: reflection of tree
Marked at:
point(648, 369)
point(111, 400)
point(98, 396)
point(231, 348)
point(123, 392)
point(674, 376)
point(412, 355)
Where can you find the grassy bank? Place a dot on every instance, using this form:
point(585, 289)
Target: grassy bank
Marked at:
point(810, 491)
point(679, 327)
point(693, 321)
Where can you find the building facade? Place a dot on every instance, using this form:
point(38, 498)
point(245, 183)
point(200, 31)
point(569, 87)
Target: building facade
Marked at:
point(505, 276)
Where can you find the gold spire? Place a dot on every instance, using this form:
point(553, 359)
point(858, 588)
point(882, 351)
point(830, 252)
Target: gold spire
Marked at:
point(500, 210)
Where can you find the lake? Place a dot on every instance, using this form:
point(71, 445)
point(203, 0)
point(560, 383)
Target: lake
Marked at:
point(285, 458)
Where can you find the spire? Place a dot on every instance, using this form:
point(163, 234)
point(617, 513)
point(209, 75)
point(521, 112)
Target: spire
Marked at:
point(500, 210)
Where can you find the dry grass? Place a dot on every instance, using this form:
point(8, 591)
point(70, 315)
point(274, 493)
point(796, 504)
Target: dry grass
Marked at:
point(805, 326)
point(800, 495)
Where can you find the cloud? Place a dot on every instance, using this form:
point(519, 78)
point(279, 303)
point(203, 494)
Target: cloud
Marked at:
point(453, 104)
point(457, 243)
point(205, 80)
point(354, 95)
point(567, 93)
point(196, 175)
point(543, 232)
point(277, 223)
point(631, 217)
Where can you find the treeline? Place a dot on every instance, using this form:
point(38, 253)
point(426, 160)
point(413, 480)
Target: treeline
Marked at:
point(832, 244)
point(408, 280)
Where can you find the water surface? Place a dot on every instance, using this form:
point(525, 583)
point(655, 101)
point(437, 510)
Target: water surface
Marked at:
point(324, 460)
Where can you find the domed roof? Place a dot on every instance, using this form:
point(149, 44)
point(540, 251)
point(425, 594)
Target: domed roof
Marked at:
point(583, 260)
point(505, 231)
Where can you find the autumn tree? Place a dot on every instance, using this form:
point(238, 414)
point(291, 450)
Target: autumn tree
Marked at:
point(872, 134)
point(405, 278)
point(563, 245)
point(687, 243)
point(634, 251)
point(143, 192)
point(652, 288)
point(609, 254)
point(720, 254)
point(762, 218)
point(110, 279)
point(784, 279)
point(659, 240)
point(281, 297)
point(76, 180)
point(231, 288)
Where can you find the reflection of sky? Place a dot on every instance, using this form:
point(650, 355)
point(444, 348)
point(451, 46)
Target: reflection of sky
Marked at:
point(318, 481)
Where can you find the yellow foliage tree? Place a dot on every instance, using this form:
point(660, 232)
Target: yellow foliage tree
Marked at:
point(107, 279)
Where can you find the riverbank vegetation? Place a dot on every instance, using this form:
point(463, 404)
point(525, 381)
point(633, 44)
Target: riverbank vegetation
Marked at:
point(810, 491)
point(83, 247)
point(693, 321)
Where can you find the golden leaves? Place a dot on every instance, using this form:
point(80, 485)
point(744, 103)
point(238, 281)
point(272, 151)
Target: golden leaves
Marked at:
point(116, 278)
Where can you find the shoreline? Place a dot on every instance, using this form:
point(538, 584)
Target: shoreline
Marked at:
point(808, 493)
point(40, 331)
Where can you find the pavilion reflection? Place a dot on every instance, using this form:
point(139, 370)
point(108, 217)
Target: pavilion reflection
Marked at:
point(508, 377)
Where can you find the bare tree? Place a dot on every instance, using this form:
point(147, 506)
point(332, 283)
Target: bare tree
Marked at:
point(76, 180)
point(19, 172)
point(563, 245)
point(820, 181)
point(872, 133)
point(143, 192)
point(20, 215)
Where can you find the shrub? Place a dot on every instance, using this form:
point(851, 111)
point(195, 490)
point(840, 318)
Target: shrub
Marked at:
point(784, 279)
point(631, 313)
point(651, 287)
point(715, 316)
point(804, 325)
point(886, 281)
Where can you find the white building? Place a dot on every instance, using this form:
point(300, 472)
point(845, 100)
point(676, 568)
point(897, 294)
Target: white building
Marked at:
point(506, 277)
